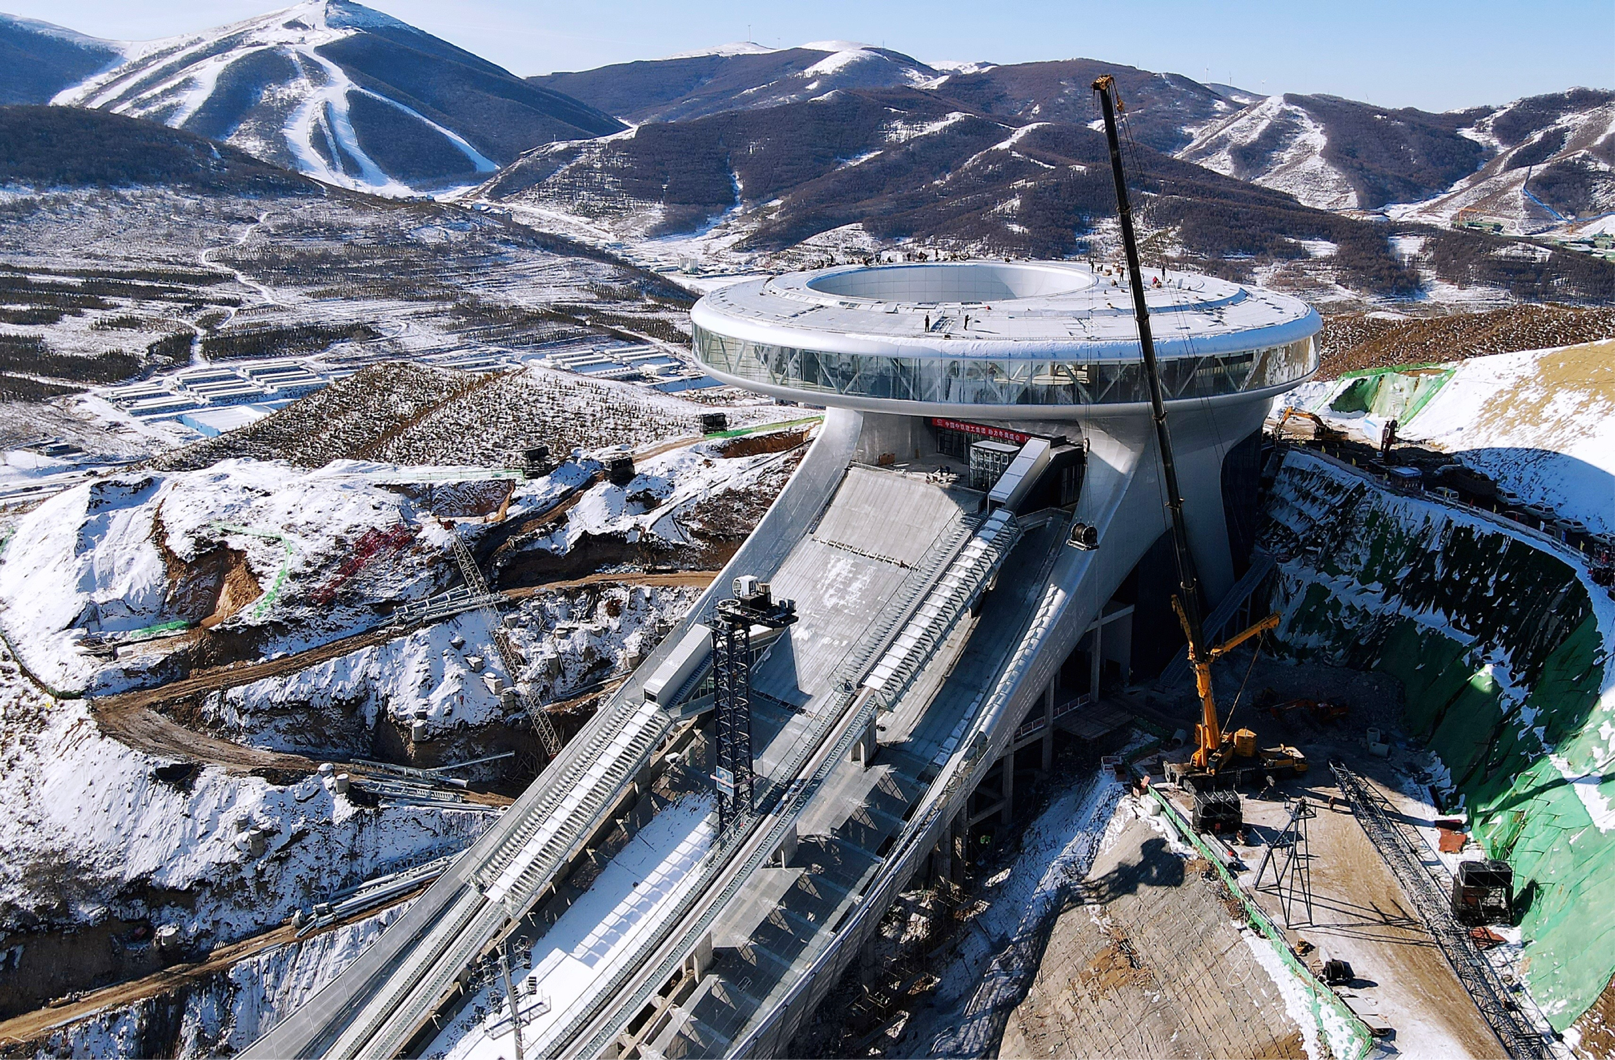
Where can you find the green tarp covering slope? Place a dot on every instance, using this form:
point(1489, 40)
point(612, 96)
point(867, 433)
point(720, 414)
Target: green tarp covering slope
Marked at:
point(1503, 646)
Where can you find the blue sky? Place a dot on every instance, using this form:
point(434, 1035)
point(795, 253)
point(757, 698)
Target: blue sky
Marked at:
point(1434, 54)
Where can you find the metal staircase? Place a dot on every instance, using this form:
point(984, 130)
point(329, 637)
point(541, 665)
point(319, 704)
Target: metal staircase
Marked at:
point(590, 780)
point(549, 832)
point(947, 601)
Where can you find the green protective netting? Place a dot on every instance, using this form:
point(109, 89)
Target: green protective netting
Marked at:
point(1389, 393)
point(1433, 601)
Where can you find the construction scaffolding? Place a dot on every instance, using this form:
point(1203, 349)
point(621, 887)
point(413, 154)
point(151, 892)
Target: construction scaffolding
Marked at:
point(731, 674)
point(753, 605)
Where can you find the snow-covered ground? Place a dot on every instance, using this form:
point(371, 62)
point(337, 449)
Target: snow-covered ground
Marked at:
point(591, 941)
point(1056, 851)
point(1540, 422)
point(571, 639)
point(662, 492)
point(289, 556)
point(91, 832)
point(446, 674)
point(249, 544)
point(225, 1013)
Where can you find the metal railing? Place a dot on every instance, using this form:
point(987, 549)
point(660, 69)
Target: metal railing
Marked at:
point(951, 596)
point(1037, 722)
point(720, 861)
point(960, 775)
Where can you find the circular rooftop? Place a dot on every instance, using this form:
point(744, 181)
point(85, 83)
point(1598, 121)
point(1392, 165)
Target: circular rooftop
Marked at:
point(917, 337)
point(970, 282)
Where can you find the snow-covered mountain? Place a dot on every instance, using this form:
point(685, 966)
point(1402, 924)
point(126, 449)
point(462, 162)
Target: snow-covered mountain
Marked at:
point(1534, 163)
point(1165, 110)
point(740, 76)
point(38, 60)
point(344, 94)
point(1552, 166)
point(1338, 154)
point(904, 169)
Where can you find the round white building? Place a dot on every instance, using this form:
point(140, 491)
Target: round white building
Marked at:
point(1012, 340)
point(955, 364)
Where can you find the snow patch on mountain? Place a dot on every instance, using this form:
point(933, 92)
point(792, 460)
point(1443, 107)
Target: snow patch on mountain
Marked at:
point(96, 559)
point(61, 33)
point(191, 67)
point(1509, 189)
point(957, 66)
point(901, 132)
point(835, 46)
point(98, 817)
point(739, 47)
point(1277, 145)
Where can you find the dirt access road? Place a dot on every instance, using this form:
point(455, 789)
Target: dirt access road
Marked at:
point(33, 1026)
point(133, 718)
point(1360, 915)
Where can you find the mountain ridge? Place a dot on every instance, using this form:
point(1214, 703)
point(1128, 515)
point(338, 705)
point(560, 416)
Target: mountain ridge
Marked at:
point(359, 99)
point(340, 92)
point(38, 59)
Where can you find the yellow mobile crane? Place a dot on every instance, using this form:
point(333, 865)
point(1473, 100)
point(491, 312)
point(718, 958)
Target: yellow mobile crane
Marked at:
point(1219, 757)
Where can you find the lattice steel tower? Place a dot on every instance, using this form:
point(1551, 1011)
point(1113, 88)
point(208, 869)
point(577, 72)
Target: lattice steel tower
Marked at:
point(753, 605)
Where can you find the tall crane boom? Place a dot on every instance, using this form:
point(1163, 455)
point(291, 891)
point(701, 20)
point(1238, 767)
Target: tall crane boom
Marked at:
point(1188, 582)
point(1210, 752)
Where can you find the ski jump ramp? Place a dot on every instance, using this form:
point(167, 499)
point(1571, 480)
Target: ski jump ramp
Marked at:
point(933, 618)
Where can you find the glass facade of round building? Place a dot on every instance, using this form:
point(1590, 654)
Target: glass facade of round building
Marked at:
point(1003, 381)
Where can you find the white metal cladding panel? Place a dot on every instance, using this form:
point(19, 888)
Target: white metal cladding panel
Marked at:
point(884, 513)
point(1016, 479)
point(849, 589)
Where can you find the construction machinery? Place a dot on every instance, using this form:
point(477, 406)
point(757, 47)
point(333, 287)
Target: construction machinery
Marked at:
point(1220, 758)
point(1320, 430)
point(1483, 892)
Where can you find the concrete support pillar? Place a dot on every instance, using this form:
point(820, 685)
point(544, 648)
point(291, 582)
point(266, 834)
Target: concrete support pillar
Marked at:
point(698, 960)
point(787, 848)
point(942, 858)
point(1007, 815)
point(864, 750)
point(1048, 723)
point(958, 840)
point(1096, 660)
